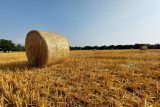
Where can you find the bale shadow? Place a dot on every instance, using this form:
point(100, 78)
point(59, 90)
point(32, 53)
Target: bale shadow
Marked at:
point(16, 66)
point(25, 66)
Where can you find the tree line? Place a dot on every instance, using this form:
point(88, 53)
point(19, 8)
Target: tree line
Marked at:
point(135, 46)
point(8, 45)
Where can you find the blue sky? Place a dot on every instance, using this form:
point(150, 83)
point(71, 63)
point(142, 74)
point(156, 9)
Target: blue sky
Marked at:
point(83, 22)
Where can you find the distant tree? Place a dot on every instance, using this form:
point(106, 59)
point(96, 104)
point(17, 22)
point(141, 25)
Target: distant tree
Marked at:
point(75, 48)
point(111, 47)
point(157, 46)
point(19, 47)
point(103, 47)
point(87, 47)
point(6, 45)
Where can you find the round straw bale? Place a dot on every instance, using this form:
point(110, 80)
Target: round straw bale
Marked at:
point(143, 47)
point(44, 48)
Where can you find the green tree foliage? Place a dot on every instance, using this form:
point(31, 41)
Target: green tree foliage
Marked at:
point(6, 45)
point(19, 47)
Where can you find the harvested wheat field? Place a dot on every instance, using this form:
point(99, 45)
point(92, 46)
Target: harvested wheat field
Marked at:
point(108, 78)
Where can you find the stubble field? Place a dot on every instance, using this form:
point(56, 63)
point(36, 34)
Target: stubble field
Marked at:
point(114, 78)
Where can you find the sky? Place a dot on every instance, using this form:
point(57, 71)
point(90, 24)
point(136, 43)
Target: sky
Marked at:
point(83, 22)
